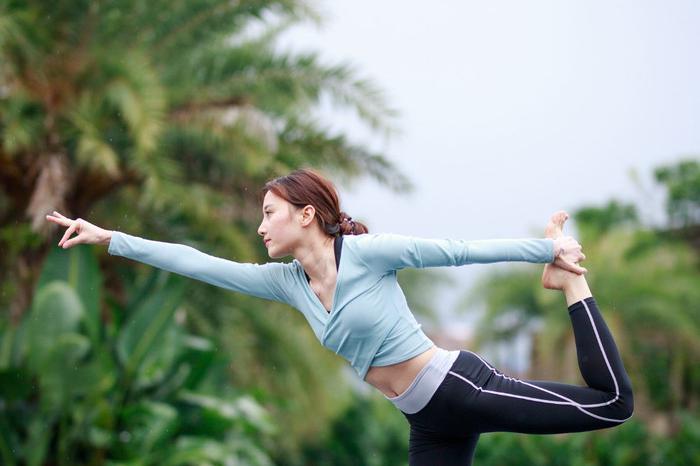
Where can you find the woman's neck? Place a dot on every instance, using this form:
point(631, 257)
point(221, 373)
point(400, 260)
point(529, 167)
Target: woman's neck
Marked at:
point(317, 258)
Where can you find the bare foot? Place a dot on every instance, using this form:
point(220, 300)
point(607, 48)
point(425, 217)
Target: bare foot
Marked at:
point(553, 277)
point(555, 227)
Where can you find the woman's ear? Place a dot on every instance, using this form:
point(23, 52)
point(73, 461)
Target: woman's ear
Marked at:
point(308, 213)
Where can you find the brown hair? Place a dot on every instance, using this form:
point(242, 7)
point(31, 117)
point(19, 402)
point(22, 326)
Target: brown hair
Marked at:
point(308, 187)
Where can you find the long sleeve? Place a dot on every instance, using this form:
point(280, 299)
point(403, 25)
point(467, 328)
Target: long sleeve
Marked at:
point(268, 281)
point(387, 251)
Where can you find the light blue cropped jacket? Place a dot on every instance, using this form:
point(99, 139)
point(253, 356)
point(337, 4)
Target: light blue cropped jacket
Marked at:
point(370, 323)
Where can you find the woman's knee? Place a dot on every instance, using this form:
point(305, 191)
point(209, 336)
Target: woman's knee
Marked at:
point(627, 398)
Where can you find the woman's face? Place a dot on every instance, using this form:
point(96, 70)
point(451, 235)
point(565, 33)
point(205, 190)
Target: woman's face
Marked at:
point(279, 227)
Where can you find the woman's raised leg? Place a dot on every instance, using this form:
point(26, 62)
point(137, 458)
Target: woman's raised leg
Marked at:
point(502, 403)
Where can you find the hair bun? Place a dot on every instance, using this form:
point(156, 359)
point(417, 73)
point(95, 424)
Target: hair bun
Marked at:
point(348, 226)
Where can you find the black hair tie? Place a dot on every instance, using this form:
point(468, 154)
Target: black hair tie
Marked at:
point(333, 229)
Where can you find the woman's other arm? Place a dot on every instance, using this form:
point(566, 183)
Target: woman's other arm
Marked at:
point(268, 281)
point(388, 251)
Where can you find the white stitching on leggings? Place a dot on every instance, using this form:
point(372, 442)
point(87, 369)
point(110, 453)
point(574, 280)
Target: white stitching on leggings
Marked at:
point(568, 401)
point(592, 405)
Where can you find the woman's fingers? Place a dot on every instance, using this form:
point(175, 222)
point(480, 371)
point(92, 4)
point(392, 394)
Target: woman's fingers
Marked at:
point(571, 251)
point(57, 220)
point(66, 235)
point(63, 222)
point(86, 232)
point(575, 256)
point(570, 266)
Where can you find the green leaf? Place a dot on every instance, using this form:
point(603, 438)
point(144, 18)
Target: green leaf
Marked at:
point(224, 413)
point(57, 311)
point(37, 445)
point(8, 442)
point(159, 360)
point(198, 356)
point(150, 424)
point(78, 267)
point(11, 338)
point(15, 384)
point(148, 324)
point(61, 366)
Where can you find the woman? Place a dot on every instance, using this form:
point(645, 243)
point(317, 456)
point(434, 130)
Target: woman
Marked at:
point(343, 280)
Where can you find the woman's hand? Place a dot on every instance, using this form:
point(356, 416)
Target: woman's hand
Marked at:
point(567, 254)
point(87, 232)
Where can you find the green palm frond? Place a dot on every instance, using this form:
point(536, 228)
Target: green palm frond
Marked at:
point(283, 84)
point(21, 123)
point(305, 141)
point(138, 97)
point(20, 40)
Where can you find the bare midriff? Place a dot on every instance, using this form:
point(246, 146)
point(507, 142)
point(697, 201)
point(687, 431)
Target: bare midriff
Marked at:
point(393, 380)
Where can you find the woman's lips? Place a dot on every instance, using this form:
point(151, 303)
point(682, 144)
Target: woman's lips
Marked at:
point(267, 241)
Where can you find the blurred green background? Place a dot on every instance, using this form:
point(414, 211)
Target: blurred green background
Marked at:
point(163, 120)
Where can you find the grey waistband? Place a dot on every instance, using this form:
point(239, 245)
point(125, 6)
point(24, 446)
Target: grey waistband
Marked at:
point(421, 390)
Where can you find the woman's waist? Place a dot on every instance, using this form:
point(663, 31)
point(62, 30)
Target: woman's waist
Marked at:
point(394, 379)
point(425, 383)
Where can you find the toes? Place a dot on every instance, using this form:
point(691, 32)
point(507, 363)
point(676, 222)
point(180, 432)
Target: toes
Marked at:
point(560, 217)
point(556, 216)
point(551, 230)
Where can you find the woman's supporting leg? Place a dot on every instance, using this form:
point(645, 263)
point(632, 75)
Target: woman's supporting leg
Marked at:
point(425, 450)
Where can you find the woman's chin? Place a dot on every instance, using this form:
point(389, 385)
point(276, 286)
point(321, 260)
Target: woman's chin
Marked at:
point(274, 254)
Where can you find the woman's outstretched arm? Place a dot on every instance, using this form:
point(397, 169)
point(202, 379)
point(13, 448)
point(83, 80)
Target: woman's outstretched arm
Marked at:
point(388, 251)
point(268, 281)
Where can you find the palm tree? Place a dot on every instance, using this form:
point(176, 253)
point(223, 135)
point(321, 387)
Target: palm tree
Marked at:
point(163, 119)
point(174, 111)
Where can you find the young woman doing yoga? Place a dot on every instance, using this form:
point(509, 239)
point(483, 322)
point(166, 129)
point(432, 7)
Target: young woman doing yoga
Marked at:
point(343, 280)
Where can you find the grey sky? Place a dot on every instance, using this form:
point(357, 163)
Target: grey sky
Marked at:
point(511, 110)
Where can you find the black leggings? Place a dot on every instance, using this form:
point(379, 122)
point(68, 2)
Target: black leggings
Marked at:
point(474, 398)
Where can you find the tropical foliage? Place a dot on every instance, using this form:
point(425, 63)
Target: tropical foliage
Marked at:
point(163, 120)
point(132, 391)
point(646, 281)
